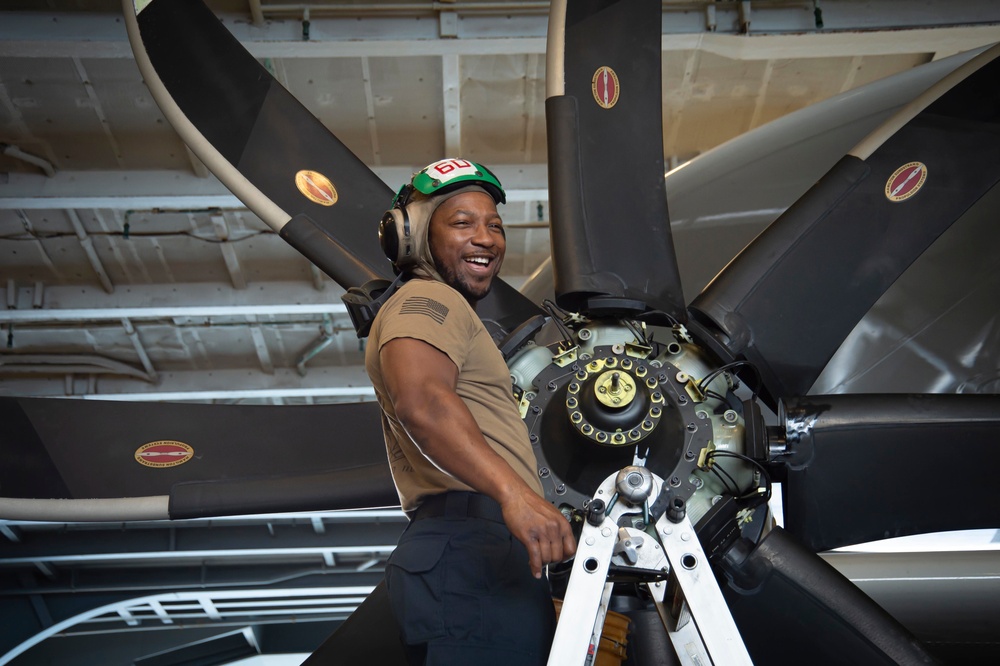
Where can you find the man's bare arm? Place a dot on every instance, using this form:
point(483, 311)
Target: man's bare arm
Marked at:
point(421, 382)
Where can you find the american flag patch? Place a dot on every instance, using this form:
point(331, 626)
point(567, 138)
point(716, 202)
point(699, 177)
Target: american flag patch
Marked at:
point(425, 306)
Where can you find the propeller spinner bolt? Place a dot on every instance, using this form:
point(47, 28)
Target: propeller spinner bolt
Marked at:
point(615, 388)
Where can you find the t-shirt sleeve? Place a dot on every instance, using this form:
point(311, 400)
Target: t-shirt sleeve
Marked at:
point(431, 313)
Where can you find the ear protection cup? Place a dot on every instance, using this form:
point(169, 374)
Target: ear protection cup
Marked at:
point(394, 235)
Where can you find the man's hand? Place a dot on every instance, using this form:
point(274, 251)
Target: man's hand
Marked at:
point(542, 529)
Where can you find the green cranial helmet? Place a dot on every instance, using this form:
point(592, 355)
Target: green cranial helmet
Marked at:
point(450, 174)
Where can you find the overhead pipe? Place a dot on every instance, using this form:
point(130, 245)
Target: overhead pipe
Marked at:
point(57, 364)
point(326, 337)
point(140, 350)
point(15, 152)
point(256, 13)
point(406, 8)
point(88, 246)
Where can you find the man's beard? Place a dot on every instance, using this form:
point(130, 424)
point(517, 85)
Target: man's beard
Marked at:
point(471, 293)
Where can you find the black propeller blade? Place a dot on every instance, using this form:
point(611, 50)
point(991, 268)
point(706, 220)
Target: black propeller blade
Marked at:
point(259, 140)
point(788, 603)
point(610, 229)
point(352, 642)
point(193, 460)
point(867, 467)
point(791, 297)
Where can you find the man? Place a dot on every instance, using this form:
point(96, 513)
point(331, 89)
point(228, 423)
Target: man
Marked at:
point(465, 581)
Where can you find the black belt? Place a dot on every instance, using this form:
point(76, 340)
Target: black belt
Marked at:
point(458, 504)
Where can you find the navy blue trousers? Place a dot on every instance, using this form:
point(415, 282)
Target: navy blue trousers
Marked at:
point(462, 593)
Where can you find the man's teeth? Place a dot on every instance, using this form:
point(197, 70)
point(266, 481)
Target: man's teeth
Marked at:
point(479, 260)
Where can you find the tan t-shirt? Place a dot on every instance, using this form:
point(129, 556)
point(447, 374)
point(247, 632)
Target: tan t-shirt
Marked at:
point(435, 313)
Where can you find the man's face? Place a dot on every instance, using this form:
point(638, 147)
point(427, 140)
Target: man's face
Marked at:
point(467, 242)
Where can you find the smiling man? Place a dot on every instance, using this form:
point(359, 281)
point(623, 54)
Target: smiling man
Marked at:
point(466, 579)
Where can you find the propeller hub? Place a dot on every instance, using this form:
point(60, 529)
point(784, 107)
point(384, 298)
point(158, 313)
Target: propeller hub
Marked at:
point(611, 407)
point(579, 438)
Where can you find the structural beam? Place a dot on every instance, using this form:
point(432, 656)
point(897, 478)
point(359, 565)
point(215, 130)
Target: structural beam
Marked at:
point(197, 555)
point(167, 312)
point(359, 393)
point(245, 382)
point(889, 26)
point(452, 91)
point(179, 190)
